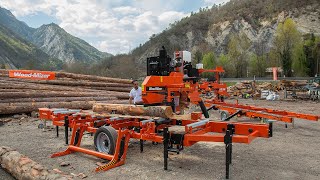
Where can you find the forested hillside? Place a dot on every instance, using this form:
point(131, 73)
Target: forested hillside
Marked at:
point(16, 52)
point(244, 36)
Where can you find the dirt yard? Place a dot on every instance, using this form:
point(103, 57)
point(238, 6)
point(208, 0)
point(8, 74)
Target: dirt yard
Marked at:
point(292, 153)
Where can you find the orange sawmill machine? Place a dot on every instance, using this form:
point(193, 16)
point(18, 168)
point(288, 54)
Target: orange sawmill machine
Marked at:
point(170, 82)
point(176, 83)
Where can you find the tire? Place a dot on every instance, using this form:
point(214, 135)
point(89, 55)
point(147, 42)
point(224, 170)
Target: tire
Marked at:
point(41, 126)
point(224, 115)
point(105, 139)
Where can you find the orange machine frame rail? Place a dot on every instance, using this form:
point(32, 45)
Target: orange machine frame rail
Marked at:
point(258, 112)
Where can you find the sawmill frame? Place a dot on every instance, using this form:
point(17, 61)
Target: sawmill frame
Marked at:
point(258, 112)
point(151, 129)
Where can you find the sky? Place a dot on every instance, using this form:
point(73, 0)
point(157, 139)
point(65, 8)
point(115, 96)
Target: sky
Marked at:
point(113, 26)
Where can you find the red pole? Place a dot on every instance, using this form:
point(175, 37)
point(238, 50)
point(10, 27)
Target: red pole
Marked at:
point(275, 73)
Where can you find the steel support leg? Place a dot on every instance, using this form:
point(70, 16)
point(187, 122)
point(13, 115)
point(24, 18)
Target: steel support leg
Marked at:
point(228, 143)
point(165, 147)
point(228, 162)
point(270, 129)
point(76, 138)
point(66, 126)
point(57, 130)
point(204, 109)
point(141, 145)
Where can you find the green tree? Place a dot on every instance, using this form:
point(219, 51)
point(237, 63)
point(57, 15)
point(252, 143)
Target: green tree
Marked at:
point(2, 66)
point(316, 54)
point(209, 60)
point(257, 65)
point(309, 44)
point(311, 50)
point(273, 58)
point(257, 60)
point(198, 57)
point(238, 53)
point(287, 36)
point(299, 64)
point(31, 64)
point(224, 61)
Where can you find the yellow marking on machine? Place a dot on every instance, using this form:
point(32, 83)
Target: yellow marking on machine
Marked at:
point(111, 163)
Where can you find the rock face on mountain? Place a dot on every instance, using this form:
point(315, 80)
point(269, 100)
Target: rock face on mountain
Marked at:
point(16, 52)
point(211, 29)
point(51, 39)
point(56, 42)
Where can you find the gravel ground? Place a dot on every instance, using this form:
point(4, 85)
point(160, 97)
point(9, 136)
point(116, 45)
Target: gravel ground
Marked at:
point(292, 153)
point(4, 175)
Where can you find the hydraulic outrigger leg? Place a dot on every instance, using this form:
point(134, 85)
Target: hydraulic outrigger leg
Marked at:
point(228, 143)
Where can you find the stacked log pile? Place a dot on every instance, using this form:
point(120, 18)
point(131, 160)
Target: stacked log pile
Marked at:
point(296, 89)
point(249, 88)
point(241, 88)
point(266, 86)
point(317, 85)
point(68, 90)
point(292, 85)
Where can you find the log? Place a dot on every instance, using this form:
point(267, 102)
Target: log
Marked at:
point(21, 87)
point(36, 94)
point(17, 108)
point(40, 91)
point(28, 85)
point(68, 82)
point(12, 90)
point(92, 78)
point(22, 167)
point(82, 77)
point(116, 89)
point(293, 83)
point(57, 99)
point(4, 72)
point(28, 88)
point(155, 111)
point(57, 85)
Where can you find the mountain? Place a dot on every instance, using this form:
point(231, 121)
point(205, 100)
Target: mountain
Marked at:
point(239, 35)
point(16, 52)
point(8, 20)
point(53, 40)
point(211, 29)
point(56, 42)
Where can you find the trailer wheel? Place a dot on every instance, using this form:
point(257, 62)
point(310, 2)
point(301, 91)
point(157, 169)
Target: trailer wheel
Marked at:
point(224, 115)
point(105, 139)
